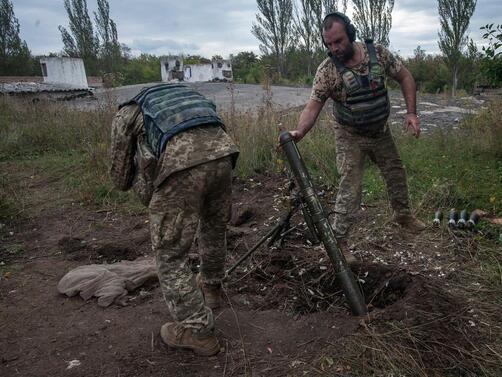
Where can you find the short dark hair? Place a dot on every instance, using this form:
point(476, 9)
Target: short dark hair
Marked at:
point(330, 20)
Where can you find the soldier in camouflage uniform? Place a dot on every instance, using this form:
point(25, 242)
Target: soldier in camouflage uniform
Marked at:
point(187, 187)
point(354, 77)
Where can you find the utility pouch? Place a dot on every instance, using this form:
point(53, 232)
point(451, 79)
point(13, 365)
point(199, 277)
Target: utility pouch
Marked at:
point(350, 82)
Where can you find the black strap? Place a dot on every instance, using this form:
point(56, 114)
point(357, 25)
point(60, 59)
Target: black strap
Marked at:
point(374, 66)
point(371, 51)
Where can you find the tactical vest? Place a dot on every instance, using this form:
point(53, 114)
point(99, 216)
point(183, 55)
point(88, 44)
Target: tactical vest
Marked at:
point(169, 109)
point(367, 105)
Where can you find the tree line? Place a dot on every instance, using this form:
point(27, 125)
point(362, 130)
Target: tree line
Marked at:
point(289, 36)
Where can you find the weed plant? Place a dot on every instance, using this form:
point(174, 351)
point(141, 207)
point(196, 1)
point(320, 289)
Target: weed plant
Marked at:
point(458, 168)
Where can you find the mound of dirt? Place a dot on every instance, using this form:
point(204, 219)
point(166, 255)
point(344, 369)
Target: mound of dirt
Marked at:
point(77, 249)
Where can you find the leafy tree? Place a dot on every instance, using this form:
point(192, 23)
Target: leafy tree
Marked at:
point(373, 19)
point(109, 46)
point(246, 67)
point(80, 41)
point(195, 59)
point(142, 69)
point(491, 64)
point(273, 28)
point(15, 57)
point(454, 17)
point(307, 20)
point(418, 66)
point(469, 67)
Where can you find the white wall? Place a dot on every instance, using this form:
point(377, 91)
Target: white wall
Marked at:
point(69, 71)
point(194, 72)
point(167, 65)
point(218, 71)
point(198, 72)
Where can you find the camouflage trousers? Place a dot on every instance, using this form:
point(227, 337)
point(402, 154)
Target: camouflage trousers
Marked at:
point(194, 200)
point(351, 151)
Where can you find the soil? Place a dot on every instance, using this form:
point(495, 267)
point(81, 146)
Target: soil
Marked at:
point(284, 313)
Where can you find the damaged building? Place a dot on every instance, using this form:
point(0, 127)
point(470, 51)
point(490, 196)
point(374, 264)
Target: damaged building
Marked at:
point(174, 69)
point(62, 79)
point(66, 71)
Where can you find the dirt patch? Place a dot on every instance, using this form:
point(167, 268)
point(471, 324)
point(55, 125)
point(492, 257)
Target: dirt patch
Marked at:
point(78, 249)
point(284, 311)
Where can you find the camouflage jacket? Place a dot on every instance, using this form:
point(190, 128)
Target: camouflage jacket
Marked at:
point(328, 82)
point(133, 165)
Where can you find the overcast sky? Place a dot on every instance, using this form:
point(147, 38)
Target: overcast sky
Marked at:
point(220, 27)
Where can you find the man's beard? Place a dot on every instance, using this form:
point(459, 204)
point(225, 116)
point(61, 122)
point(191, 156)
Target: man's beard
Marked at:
point(347, 54)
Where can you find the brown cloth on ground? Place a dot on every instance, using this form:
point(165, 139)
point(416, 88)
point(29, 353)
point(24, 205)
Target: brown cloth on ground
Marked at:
point(108, 282)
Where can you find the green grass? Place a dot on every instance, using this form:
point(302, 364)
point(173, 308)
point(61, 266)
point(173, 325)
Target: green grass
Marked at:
point(446, 169)
point(461, 169)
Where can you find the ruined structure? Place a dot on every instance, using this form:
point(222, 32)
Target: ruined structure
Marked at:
point(63, 79)
point(66, 71)
point(174, 69)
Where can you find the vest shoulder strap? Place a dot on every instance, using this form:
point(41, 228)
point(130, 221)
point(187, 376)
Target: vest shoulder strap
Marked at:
point(374, 68)
point(371, 51)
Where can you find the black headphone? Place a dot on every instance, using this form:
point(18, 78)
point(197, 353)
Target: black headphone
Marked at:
point(349, 28)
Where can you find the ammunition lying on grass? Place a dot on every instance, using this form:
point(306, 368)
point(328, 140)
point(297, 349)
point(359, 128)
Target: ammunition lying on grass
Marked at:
point(452, 218)
point(438, 217)
point(464, 217)
point(473, 220)
point(322, 226)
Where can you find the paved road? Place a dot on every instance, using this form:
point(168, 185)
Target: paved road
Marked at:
point(246, 97)
point(435, 111)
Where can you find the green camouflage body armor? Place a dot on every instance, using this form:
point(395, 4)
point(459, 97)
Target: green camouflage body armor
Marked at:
point(169, 109)
point(367, 106)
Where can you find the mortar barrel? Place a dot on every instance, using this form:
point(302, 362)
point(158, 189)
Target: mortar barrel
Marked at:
point(326, 234)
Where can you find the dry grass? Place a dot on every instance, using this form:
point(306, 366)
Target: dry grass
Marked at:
point(437, 340)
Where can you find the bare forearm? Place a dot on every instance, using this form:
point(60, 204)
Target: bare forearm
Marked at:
point(308, 117)
point(409, 90)
point(305, 123)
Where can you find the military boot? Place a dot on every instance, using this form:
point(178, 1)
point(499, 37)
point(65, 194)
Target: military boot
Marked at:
point(176, 337)
point(211, 292)
point(409, 222)
point(344, 247)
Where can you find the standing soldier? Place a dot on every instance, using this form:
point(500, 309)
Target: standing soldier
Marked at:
point(354, 77)
point(170, 146)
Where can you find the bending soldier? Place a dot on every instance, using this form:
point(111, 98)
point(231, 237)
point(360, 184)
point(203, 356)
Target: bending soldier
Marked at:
point(354, 77)
point(170, 146)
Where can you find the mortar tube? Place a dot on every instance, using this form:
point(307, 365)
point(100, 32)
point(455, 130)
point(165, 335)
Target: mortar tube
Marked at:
point(452, 218)
point(464, 217)
point(473, 220)
point(326, 234)
point(438, 217)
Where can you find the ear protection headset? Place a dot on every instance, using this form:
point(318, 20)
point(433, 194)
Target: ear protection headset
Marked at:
point(349, 28)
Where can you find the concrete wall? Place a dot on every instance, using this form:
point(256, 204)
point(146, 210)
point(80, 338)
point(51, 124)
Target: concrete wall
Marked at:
point(169, 70)
point(70, 71)
point(198, 72)
point(222, 70)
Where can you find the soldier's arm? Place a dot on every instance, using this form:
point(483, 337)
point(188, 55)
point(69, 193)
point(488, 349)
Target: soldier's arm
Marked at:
point(324, 81)
point(394, 68)
point(307, 119)
point(409, 89)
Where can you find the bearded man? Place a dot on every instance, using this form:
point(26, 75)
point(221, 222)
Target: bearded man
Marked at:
point(354, 76)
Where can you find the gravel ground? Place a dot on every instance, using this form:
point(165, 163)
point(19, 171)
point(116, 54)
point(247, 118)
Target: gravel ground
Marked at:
point(434, 110)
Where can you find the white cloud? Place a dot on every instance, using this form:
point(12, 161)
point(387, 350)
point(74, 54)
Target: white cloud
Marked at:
point(220, 27)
